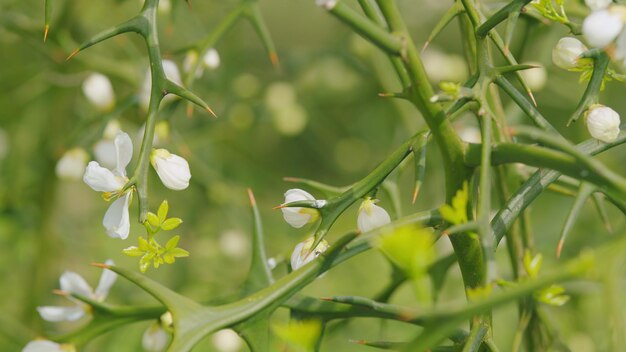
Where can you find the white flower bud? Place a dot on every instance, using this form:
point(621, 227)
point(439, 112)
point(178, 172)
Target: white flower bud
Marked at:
point(211, 59)
point(172, 169)
point(326, 4)
point(567, 51)
point(603, 123)
point(295, 216)
point(154, 338)
point(72, 164)
point(99, 91)
point(602, 27)
point(303, 254)
point(226, 340)
point(371, 216)
point(596, 5)
point(47, 346)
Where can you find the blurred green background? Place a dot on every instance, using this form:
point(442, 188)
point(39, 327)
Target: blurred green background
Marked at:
point(317, 116)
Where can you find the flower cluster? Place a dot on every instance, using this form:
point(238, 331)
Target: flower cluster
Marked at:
point(370, 217)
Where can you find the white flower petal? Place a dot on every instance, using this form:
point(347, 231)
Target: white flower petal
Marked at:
point(42, 346)
point(107, 279)
point(296, 216)
point(601, 27)
point(72, 164)
point(123, 152)
point(154, 338)
point(172, 169)
point(226, 340)
point(596, 5)
point(99, 91)
point(567, 51)
point(117, 220)
point(104, 151)
point(57, 314)
point(371, 216)
point(302, 254)
point(101, 179)
point(74, 283)
point(603, 123)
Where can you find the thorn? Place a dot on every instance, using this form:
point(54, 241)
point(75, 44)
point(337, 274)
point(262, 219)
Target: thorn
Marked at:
point(559, 248)
point(532, 97)
point(60, 292)
point(327, 299)
point(72, 54)
point(101, 265)
point(45, 33)
point(279, 206)
point(211, 111)
point(188, 4)
point(392, 95)
point(425, 46)
point(251, 196)
point(274, 60)
point(189, 110)
point(416, 191)
point(506, 49)
point(291, 179)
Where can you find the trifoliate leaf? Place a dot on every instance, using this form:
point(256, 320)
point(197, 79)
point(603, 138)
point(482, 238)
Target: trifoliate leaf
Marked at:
point(153, 220)
point(133, 251)
point(172, 243)
point(456, 213)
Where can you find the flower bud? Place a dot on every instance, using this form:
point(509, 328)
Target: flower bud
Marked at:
point(303, 254)
point(226, 340)
point(296, 216)
point(171, 168)
point(602, 27)
point(99, 91)
point(154, 338)
point(72, 164)
point(596, 5)
point(371, 216)
point(211, 59)
point(603, 123)
point(567, 51)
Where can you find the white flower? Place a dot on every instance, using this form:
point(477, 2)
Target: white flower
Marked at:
point(303, 254)
point(596, 5)
point(602, 27)
point(326, 4)
point(154, 338)
point(72, 164)
point(111, 182)
point(295, 216)
point(226, 340)
point(171, 73)
point(104, 149)
point(171, 168)
point(73, 283)
point(567, 52)
point(47, 346)
point(99, 91)
point(211, 59)
point(603, 123)
point(371, 216)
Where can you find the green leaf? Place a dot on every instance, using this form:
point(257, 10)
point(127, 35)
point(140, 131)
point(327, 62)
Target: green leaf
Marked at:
point(171, 224)
point(133, 251)
point(153, 220)
point(172, 243)
point(456, 213)
point(162, 212)
point(532, 264)
point(410, 248)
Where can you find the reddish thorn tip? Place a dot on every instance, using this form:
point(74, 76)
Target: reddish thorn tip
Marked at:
point(45, 33)
point(532, 97)
point(72, 54)
point(101, 265)
point(189, 110)
point(425, 46)
point(415, 193)
point(279, 207)
point(60, 292)
point(274, 60)
point(328, 299)
point(359, 342)
point(291, 179)
point(559, 248)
